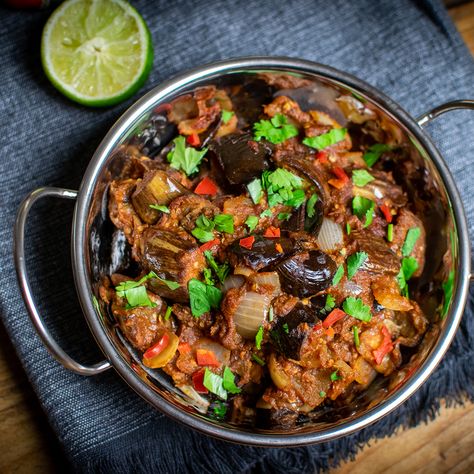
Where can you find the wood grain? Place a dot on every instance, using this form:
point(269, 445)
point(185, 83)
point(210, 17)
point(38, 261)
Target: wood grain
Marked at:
point(446, 445)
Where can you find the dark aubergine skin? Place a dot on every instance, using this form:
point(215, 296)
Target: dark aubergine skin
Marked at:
point(240, 157)
point(290, 343)
point(306, 273)
point(263, 253)
point(299, 220)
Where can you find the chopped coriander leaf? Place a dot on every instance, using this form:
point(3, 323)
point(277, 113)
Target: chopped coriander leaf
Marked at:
point(168, 313)
point(224, 223)
point(258, 360)
point(355, 331)
point(409, 267)
point(213, 383)
point(348, 228)
point(338, 275)
point(284, 216)
point(208, 280)
point(326, 139)
point(410, 240)
point(204, 223)
point(160, 208)
point(226, 115)
point(202, 235)
point(298, 197)
point(286, 328)
point(374, 152)
point(310, 211)
point(390, 232)
point(276, 130)
point(270, 314)
point(361, 207)
point(228, 381)
point(184, 158)
point(203, 297)
point(281, 179)
point(330, 303)
point(361, 177)
point(448, 289)
point(138, 297)
point(221, 270)
point(266, 213)
point(219, 409)
point(322, 393)
point(354, 262)
point(334, 376)
point(251, 222)
point(357, 309)
point(369, 215)
point(255, 190)
point(259, 337)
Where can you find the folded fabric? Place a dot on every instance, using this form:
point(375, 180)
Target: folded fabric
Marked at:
point(408, 49)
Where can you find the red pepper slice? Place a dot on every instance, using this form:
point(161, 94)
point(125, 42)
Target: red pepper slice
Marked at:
point(335, 315)
point(193, 139)
point(337, 183)
point(207, 358)
point(159, 347)
point(272, 232)
point(198, 381)
point(206, 186)
point(184, 348)
point(278, 248)
point(209, 245)
point(247, 242)
point(340, 174)
point(384, 348)
point(322, 157)
point(386, 213)
point(318, 326)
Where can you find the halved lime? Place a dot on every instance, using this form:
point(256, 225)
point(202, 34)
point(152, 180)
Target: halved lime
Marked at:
point(96, 52)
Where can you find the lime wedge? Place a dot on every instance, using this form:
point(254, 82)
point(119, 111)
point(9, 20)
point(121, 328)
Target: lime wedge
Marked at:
point(96, 52)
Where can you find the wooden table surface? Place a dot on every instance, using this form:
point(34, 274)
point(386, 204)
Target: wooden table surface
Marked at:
point(446, 445)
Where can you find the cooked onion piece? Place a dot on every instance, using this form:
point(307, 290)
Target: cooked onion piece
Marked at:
point(330, 236)
point(251, 313)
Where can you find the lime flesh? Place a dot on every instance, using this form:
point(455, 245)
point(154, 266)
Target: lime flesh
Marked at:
point(96, 52)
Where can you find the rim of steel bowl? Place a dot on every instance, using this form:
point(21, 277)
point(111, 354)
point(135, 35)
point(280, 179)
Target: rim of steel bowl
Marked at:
point(80, 248)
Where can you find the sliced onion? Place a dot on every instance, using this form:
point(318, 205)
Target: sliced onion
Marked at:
point(251, 313)
point(270, 279)
point(330, 236)
point(198, 402)
point(233, 281)
point(241, 270)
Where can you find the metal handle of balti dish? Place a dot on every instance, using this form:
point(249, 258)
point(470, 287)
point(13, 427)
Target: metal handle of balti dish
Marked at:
point(441, 109)
point(20, 263)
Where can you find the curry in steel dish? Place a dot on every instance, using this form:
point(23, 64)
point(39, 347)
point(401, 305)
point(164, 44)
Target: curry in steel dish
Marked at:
point(272, 248)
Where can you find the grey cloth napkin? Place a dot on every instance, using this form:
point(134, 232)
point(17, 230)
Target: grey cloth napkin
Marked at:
point(408, 49)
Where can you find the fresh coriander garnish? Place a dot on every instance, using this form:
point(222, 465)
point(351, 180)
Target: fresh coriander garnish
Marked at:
point(310, 211)
point(361, 177)
point(224, 223)
point(184, 158)
point(374, 152)
point(448, 289)
point(322, 393)
point(221, 270)
point(228, 381)
point(330, 303)
point(202, 235)
point(164, 209)
point(286, 328)
point(168, 313)
point(251, 222)
point(357, 309)
point(326, 139)
point(355, 331)
point(259, 337)
point(266, 213)
point(410, 240)
point(334, 376)
point(204, 226)
point(284, 216)
point(219, 409)
point(298, 197)
point(203, 297)
point(258, 360)
point(283, 187)
point(348, 228)
point(255, 190)
point(226, 115)
point(354, 262)
point(213, 383)
point(275, 130)
point(208, 280)
point(338, 275)
point(408, 268)
point(361, 207)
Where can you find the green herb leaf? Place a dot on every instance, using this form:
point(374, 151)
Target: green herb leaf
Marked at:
point(330, 303)
point(410, 240)
point(362, 206)
point(251, 222)
point(310, 211)
point(224, 223)
point(138, 297)
point(168, 313)
point(361, 177)
point(213, 383)
point(448, 289)
point(286, 328)
point(184, 158)
point(255, 190)
point(284, 216)
point(258, 360)
point(208, 280)
point(409, 267)
point(259, 337)
point(338, 275)
point(322, 393)
point(221, 270)
point(334, 376)
point(374, 153)
point(160, 208)
point(226, 115)
point(297, 198)
point(357, 309)
point(390, 233)
point(228, 381)
point(348, 228)
point(266, 213)
point(355, 331)
point(276, 130)
point(281, 179)
point(204, 223)
point(203, 297)
point(354, 262)
point(202, 235)
point(326, 139)
point(219, 409)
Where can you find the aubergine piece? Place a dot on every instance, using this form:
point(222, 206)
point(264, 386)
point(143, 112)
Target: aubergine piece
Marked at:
point(156, 188)
point(240, 157)
point(299, 220)
point(173, 256)
point(289, 335)
point(306, 273)
point(262, 254)
point(381, 259)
